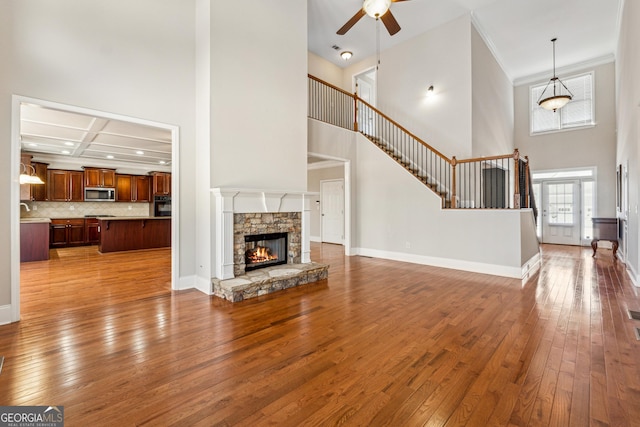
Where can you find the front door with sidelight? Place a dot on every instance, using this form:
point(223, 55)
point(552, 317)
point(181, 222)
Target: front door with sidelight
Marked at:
point(561, 212)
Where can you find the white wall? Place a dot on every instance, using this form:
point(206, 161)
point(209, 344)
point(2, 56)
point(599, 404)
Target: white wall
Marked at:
point(401, 219)
point(128, 58)
point(259, 94)
point(594, 146)
point(325, 70)
point(492, 100)
point(440, 57)
point(628, 121)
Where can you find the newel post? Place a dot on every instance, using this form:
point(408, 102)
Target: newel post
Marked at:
point(527, 182)
point(516, 179)
point(355, 110)
point(454, 201)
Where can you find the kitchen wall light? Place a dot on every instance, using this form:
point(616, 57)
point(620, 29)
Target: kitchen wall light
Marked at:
point(27, 177)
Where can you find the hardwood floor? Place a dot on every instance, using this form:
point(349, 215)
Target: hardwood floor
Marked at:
point(378, 343)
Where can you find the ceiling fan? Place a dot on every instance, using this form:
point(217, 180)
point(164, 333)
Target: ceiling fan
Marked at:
point(376, 9)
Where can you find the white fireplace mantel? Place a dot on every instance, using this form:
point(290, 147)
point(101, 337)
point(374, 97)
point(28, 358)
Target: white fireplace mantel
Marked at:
point(230, 201)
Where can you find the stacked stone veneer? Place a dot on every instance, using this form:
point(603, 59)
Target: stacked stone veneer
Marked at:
point(263, 223)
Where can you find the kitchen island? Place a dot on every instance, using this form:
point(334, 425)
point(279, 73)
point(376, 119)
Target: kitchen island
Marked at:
point(132, 233)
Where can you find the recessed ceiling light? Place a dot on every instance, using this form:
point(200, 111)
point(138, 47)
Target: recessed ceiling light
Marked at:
point(162, 162)
point(109, 156)
point(140, 152)
point(70, 144)
point(66, 152)
point(33, 144)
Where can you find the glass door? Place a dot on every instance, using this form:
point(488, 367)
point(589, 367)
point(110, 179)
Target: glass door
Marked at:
point(561, 212)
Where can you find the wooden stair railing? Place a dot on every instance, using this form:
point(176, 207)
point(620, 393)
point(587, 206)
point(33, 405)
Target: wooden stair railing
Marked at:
point(487, 182)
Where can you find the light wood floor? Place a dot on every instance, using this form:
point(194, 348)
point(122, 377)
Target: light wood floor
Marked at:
point(378, 343)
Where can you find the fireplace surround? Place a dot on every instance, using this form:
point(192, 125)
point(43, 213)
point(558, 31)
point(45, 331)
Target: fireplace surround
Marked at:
point(240, 212)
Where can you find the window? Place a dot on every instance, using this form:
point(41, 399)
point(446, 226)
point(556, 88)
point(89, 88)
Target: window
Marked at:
point(577, 113)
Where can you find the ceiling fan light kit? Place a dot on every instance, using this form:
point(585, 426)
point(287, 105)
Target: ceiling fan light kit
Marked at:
point(376, 8)
point(556, 99)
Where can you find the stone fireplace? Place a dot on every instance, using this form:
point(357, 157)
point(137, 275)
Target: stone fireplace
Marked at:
point(253, 225)
point(245, 220)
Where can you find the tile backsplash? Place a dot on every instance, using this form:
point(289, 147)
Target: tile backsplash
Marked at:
point(80, 209)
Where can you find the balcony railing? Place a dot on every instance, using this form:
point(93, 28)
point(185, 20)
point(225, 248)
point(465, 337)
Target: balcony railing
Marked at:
point(497, 182)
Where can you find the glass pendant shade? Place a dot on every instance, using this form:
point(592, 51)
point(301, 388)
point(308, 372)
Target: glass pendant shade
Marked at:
point(376, 8)
point(556, 99)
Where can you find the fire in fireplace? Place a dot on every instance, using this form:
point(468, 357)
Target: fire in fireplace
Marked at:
point(264, 250)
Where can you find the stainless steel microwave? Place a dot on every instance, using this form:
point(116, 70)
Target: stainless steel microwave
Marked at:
point(99, 194)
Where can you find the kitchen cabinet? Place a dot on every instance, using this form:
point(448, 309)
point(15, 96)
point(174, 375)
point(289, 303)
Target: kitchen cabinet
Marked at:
point(33, 192)
point(133, 188)
point(161, 183)
point(39, 191)
point(34, 239)
point(99, 177)
point(67, 232)
point(65, 186)
point(92, 231)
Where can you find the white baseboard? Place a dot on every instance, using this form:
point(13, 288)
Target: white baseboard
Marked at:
point(203, 285)
point(5, 314)
point(633, 276)
point(531, 267)
point(186, 282)
point(456, 264)
point(315, 239)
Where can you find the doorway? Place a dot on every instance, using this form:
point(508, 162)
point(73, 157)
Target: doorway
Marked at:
point(332, 211)
point(567, 205)
point(17, 102)
point(365, 86)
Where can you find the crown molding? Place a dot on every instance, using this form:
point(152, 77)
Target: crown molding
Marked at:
point(569, 69)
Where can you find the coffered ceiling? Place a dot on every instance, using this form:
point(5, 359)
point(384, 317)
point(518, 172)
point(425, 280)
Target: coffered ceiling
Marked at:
point(95, 139)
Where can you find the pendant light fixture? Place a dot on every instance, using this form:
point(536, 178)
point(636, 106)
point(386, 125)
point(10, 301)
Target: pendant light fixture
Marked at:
point(556, 99)
point(26, 177)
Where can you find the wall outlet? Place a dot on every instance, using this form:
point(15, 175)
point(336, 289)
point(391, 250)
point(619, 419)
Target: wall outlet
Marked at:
point(35, 208)
point(407, 245)
point(71, 208)
point(130, 207)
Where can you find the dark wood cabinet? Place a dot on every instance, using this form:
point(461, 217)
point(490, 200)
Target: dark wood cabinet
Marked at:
point(39, 191)
point(133, 234)
point(34, 241)
point(161, 183)
point(67, 232)
point(133, 188)
point(99, 177)
point(92, 231)
point(65, 186)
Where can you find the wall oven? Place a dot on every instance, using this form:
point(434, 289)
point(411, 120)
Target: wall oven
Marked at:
point(162, 206)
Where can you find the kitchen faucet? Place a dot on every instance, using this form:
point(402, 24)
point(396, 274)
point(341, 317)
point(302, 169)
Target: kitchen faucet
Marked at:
point(25, 206)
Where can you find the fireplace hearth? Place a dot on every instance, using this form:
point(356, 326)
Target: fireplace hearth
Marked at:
point(265, 250)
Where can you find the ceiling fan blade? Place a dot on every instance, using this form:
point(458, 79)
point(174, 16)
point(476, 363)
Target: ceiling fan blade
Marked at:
point(351, 22)
point(390, 22)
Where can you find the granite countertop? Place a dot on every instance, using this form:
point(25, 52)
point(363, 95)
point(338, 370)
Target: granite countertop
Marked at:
point(130, 218)
point(35, 220)
point(116, 218)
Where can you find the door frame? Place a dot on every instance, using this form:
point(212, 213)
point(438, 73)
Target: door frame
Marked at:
point(341, 180)
point(582, 175)
point(346, 163)
point(15, 187)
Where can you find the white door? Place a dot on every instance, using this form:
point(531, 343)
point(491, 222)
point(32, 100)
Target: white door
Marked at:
point(366, 89)
point(561, 212)
point(332, 211)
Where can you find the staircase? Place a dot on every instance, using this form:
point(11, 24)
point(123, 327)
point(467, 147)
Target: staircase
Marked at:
point(501, 181)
